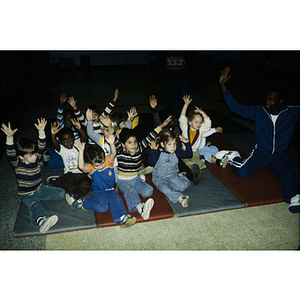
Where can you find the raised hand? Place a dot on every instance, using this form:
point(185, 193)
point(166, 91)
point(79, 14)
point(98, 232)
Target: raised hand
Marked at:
point(7, 130)
point(72, 102)
point(183, 139)
point(40, 126)
point(89, 115)
point(153, 145)
point(132, 113)
point(63, 98)
point(105, 120)
point(79, 145)
point(55, 128)
point(153, 102)
point(116, 95)
point(186, 99)
point(224, 75)
point(76, 124)
point(110, 139)
point(219, 129)
point(166, 122)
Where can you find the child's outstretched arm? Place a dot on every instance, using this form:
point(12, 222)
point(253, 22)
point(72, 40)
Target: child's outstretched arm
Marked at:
point(78, 114)
point(54, 130)
point(10, 149)
point(76, 124)
point(40, 126)
point(89, 128)
point(80, 146)
point(187, 101)
point(7, 130)
point(60, 109)
point(109, 108)
point(113, 151)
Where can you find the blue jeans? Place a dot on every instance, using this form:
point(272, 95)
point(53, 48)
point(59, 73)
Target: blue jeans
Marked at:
point(207, 152)
point(104, 200)
point(131, 190)
point(33, 200)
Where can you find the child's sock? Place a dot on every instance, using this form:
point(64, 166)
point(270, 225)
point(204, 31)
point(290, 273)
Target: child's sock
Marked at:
point(218, 162)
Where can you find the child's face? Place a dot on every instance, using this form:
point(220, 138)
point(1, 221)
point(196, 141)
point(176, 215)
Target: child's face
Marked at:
point(170, 146)
point(131, 145)
point(105, 132)
point(67, 140)
point(196, 122)
point(95, 117)
point(29, 158)
point(173, 123)
point(67, 120)
point(122, 125)
point(99, 166)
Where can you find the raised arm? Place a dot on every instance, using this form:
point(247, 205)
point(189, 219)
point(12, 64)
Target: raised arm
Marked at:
point(76, 124)
point(113, 151)
point(109, 108)
point(80, 146)
point(224, 78)
point(54, 130)
point(187, 101)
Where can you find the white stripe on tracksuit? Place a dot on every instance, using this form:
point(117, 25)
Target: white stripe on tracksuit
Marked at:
point(241, 164)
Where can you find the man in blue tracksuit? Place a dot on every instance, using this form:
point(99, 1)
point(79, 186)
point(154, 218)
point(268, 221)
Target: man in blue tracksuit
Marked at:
point(274, 123)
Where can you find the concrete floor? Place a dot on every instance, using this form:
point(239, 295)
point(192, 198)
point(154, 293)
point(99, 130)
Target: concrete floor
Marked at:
point(269, 227)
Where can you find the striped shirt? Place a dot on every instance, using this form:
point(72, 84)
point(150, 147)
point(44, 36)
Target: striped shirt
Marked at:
point(28, 175)
point(129, 165)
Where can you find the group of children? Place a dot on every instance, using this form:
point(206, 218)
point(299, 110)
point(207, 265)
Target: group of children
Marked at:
point(100, 151)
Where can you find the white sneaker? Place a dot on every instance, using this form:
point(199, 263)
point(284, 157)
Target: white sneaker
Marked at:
point(145, 171)
point(231, 154)
point(48, 223)
point(224, 161)
point(295, 204)
point(145, 208)
point(184, 200)
point(69, 198)
point(143, 177)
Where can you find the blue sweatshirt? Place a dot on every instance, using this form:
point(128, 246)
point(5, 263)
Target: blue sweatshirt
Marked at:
point(273, 139)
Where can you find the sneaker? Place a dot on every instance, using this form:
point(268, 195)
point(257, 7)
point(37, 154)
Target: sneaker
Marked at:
point(145, 171)
point(181, 174)
point(46, 156)
point(70, 198)
point(51, 179)
point(295, 204)
point(77, 204)
point(184, 200)
point(127, 221)
point(145, 208)
point(143, 177)
point(231, 154)
point(48, 223)
point(197, 174)
point(224, 161)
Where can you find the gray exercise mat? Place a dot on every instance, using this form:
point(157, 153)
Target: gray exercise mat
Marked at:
point(208, 196)
point(68, 220)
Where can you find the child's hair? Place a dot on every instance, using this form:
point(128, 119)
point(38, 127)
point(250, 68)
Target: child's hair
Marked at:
point(26, 146)
point(167, 136)
point(127, 133)
point(192, 115)
point(68, 111)
point(94, 108)
point(165, 113)
point(119, 118)
point(94, 154)
point(64, 131)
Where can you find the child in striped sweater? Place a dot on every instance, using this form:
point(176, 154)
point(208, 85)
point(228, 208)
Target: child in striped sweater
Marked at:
point(25, 159)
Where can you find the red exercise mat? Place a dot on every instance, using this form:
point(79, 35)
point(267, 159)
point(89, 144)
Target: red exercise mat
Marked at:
point(261, 188)
point(160, 210)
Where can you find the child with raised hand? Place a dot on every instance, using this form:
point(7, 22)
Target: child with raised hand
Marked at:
point(74, 182)
point(95, 113)
point(165, 160)
point(129, 156)
point(100, 168)
point(25, 158)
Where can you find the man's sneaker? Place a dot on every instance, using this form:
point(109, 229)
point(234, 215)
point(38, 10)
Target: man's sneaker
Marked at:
point(184, 200)
point(224, 161)
point(127, 221)
point(145, 208)
point(295, 204)
point(145, 171)
point(51, 179)
point(231, 154)
point(143, 177)
point(77, 205)
point(70, 198)
point(197, 174)
point(48, 223)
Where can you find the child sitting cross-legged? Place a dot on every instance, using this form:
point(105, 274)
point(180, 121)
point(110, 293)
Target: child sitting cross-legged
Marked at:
point(74, 182)
point(100, 168)
point(25, 158)
point(165, 160)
